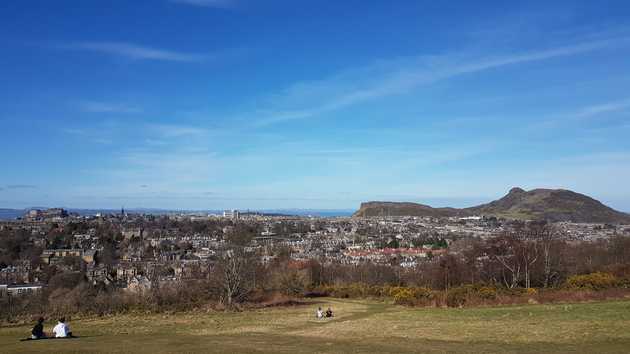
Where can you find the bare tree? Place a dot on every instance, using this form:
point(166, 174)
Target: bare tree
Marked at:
point(528, 252)
point(549, 237)
point(504, 249)
point(235, 269)
point(472, 250)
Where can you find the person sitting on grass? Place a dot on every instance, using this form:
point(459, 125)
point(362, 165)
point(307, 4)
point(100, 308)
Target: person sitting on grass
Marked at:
point(319, 314)
point(38, 330)
point(62, 330)
point(329, 312)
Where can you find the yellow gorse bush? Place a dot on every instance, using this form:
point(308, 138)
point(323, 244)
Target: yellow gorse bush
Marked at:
point(593, 281)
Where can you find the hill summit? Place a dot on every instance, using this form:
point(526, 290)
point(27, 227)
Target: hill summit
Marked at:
point(537, 204)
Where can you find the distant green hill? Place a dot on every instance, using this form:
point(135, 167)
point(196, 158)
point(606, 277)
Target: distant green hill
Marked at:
point(537, 204)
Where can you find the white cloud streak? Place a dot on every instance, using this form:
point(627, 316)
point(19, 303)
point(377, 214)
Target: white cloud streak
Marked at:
point(584, 114)
point(21, 186)
point(387, 78)
point(176, 131)
point(134, 51)
point(603, 108)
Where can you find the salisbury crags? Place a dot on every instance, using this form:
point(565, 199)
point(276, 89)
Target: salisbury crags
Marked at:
point(537, 204)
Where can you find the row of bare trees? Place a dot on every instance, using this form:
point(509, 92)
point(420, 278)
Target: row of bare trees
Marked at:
point(533, 255)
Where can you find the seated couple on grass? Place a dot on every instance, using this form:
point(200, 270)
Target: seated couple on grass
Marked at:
point(321, 314)
point(61, 330)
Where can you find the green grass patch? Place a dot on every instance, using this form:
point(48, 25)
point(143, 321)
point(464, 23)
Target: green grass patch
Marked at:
point(360, 326)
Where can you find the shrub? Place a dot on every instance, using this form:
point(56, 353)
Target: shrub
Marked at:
point(476, 294)
point(424, 296)
point(624, 283)
point(512, 292)
point(457, 297)
point(423, 293)
point(404, 296)
point(292, 283)
point(593, 281)
point(393, 291)
point(487, 293)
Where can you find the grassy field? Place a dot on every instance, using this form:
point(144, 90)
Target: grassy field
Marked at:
point(359, 327)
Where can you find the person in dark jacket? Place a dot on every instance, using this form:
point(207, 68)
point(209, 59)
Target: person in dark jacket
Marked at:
point(38, 330)
point(329, 313)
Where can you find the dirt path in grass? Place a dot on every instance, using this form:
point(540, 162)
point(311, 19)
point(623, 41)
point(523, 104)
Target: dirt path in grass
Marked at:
point(346, 312)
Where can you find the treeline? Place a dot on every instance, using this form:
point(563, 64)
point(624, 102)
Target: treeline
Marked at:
point(594, 286)
point(532, 256)
point(533, 262)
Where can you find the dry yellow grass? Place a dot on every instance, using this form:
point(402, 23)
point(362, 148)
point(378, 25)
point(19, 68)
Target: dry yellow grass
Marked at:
point(359, 326)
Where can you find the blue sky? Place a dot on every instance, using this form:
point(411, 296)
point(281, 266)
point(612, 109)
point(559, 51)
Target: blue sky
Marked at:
point(210, 104)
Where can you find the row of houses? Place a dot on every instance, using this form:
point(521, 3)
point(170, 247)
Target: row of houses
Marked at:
point(404, 256)
point(19, 289)
point(51, 256)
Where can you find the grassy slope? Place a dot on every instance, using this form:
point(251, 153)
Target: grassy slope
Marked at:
point(361, 326)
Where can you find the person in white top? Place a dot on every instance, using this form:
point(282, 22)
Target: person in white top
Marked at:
point(319, 313)
point(62, 330)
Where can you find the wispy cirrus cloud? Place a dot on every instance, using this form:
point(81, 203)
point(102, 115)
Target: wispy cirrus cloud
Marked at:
point(21, 186)
point(583, 114)
point(154, 135)
point(134, 51)
point(176, 131)
point(94, 137)
point(393, 77)
point(107, 107)
point(207, 3)
point(602, 108)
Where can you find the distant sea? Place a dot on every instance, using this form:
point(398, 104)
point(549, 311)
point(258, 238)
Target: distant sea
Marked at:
point(10, 214)
point(328, 213)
